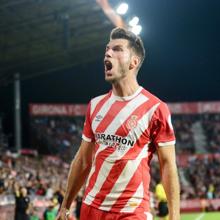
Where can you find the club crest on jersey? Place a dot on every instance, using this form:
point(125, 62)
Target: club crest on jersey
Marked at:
point(132, 122)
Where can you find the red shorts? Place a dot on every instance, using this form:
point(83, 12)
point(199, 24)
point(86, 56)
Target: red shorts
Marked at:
point(91, 213)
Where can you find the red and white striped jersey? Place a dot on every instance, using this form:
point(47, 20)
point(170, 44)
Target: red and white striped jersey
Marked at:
point(126, 132)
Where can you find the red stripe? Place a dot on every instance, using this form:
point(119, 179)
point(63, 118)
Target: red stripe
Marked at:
point(129, 190)
point(101, 128)
point(134, 184)
point(135, 151)
point(151, 97)
point(98, 161)
point(110, 181)
point(94, 176)
point(145, 203)
point(115, 173)
point(116, 170)
point(139, 112)
point(123, 131)
point(110, 116)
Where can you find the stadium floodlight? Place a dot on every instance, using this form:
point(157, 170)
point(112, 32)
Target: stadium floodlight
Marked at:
point(122, 8)
point(134, 21)
point(136, 29)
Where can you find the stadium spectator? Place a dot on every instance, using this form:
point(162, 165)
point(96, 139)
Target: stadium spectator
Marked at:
point(22, 203)
point(162, 201)
point(51, 211)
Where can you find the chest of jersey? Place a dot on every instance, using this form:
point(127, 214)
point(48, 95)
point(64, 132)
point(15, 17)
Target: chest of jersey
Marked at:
point(120, 132)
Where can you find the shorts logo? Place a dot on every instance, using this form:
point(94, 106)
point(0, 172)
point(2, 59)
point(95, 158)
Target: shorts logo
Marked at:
point(132, 122)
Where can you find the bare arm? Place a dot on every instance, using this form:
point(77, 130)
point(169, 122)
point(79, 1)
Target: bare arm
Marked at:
point(111, 14)
point(170, 180)
point(78, 173)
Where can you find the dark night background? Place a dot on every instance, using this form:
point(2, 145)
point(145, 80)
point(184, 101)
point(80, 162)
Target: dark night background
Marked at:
point(182, 40)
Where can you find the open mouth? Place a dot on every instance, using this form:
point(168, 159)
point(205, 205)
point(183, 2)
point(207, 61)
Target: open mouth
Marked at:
point(108, 65)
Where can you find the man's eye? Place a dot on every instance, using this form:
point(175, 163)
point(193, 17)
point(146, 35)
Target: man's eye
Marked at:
point(118, 49)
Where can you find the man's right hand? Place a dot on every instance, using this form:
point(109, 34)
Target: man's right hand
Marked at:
point(63, 214)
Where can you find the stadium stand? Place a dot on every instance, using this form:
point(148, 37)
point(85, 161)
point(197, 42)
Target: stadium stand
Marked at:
point(56, 135)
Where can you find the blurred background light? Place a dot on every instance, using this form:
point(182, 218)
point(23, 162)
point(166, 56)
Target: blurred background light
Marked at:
point(136, 29)
point(134, 21)
point(122, 8)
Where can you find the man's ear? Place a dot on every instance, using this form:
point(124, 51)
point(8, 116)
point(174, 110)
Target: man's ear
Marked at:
point(135, 61)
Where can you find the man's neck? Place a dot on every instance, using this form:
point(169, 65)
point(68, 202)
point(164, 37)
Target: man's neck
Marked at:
point(124, 89)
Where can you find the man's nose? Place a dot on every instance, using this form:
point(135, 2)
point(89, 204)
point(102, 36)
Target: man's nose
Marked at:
point(108, 53)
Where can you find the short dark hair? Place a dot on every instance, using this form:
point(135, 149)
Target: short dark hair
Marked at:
point(135, 41)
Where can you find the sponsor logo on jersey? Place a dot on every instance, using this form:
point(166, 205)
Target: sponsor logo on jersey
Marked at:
point(114, 140)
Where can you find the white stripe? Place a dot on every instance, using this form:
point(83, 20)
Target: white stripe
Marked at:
point(106, 166)
point(86, 139)
point(125, 113)
point(133, 202)
point(101, 148)
point(120, 119)
point(170, 122)
point(143, 123)
point(200, 216)
point(149, 215)
point(128, 171)
point(163, 144)
point(112, 128)
point(102, 112)
point(95, 101)
point(103, 174)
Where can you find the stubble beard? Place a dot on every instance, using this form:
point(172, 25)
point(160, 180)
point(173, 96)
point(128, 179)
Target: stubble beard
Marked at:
point(122, 74)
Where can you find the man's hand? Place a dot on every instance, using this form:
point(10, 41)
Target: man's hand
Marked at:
point(63, 214)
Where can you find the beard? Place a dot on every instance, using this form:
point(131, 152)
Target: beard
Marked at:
point(121, 73)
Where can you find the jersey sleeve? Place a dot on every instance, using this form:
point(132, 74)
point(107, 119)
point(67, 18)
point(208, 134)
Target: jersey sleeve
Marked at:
point(162, 129)
point(88, 134)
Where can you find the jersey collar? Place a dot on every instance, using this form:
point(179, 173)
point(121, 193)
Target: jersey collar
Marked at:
point(126, 98)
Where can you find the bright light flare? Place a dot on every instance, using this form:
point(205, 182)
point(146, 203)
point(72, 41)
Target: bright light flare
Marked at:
point(122, 8)
point(136, 29)
point(134, 21)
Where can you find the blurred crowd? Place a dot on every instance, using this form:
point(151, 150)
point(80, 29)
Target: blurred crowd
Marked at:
point(200, 178)
point(195, 133)
point(32, 180)
point(38, 184)
point(198, 133)
point(184, 136)
point(61, 136)
point(203, 177)
point(211, 125)
point(56, 135)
